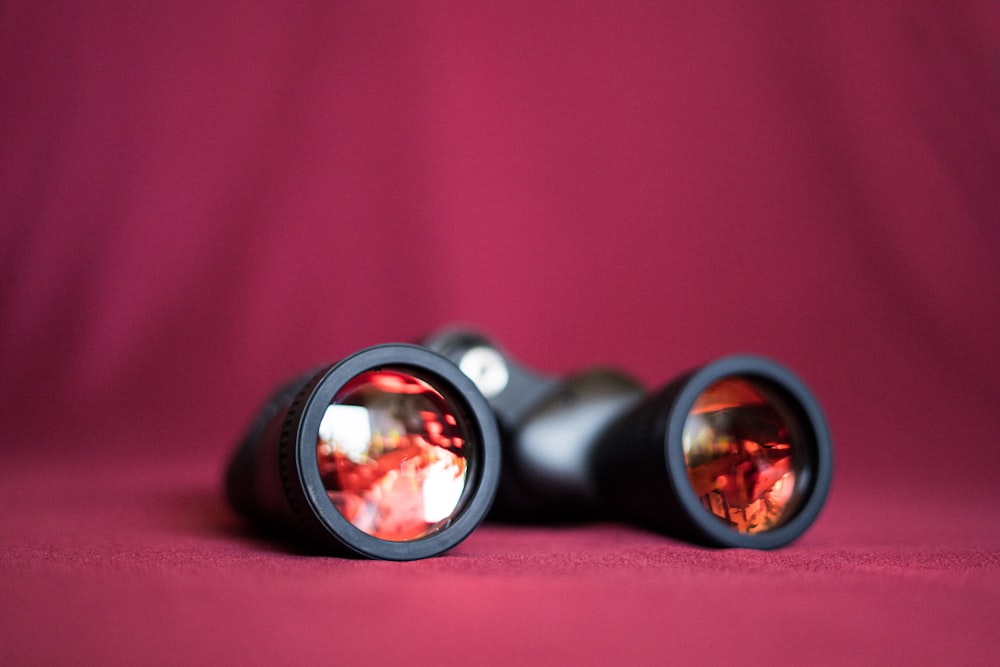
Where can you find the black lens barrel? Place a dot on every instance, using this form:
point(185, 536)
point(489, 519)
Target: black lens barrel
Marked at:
point(274, 477)
point(641, 471)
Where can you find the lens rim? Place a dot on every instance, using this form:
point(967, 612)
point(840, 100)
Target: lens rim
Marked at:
point(816, 473)
point(445, 377)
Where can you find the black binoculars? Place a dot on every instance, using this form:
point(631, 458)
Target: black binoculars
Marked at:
point(395, 452)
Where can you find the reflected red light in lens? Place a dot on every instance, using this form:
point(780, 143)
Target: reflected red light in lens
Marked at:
point(389, 456)
point(740, 456)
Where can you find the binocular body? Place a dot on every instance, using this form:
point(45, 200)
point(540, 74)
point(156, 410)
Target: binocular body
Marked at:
point(395, 451)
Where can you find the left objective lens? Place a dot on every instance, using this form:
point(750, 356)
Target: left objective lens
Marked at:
point(394, 453)
point(391, 453)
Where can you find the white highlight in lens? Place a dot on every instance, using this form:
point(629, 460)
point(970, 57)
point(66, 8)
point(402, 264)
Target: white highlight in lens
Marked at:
point(443, 484)
point(347, 429)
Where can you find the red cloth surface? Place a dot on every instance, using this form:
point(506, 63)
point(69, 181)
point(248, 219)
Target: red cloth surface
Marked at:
point(198, 202)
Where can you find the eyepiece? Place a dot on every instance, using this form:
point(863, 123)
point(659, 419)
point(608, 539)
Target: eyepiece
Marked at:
point(391, 453)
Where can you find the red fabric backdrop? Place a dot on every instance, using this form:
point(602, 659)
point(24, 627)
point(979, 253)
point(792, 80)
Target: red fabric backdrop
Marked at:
point(198, 201)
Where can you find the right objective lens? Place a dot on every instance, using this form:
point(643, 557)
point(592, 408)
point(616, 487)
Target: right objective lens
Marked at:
point(747, 452)
point(743, 456)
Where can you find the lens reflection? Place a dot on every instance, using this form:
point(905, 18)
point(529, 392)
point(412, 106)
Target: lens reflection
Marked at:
point(742, 458)
point(393, 455)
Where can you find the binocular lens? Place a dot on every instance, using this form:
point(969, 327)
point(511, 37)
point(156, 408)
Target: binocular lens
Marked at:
point(393, 454)
point(742, 455)
point(389, 453)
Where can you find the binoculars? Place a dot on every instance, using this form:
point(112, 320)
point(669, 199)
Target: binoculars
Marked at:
point(400, 451)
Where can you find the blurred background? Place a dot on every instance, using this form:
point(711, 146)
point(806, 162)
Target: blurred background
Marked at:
point(198, 201)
